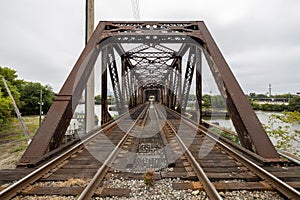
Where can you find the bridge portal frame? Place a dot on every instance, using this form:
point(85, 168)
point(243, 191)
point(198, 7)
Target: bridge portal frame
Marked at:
point(250, 131)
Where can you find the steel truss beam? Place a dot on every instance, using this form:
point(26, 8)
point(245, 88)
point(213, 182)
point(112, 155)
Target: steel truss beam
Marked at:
point(190, 68)
point(170, 88)
point(112, 65)
point(177, 83)
point(155, 35)
point(105, 116)
point(199, 84)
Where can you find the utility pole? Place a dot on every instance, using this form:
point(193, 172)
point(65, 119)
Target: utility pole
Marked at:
point(41, 104)
point(89, 19)
point(89, 91)
point(17, 111)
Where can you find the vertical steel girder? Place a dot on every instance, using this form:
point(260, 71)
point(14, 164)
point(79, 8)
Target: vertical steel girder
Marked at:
point(188, 79)
point(123, 80)
point(171, 88)
point(126, 81)
point(105, 116)
point(199, 83)
point(190, 34)
point(177, 82)
point(115, 80)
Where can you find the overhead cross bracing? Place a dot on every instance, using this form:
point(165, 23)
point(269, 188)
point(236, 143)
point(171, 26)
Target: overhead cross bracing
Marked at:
point(150, 66)
point(138, 56)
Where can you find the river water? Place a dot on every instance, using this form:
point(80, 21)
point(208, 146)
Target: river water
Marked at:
point(224, 122)
point(264, 119)
point(227, 123)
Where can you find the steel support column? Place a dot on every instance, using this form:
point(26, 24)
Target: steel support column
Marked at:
point(124, 92)
point(190, 68)
point(199, 84)
point(133, 89)
point(171, 88)
point(114, 76)
point(126, 81)
point(105, 116)
point(178, 83)
point(161, 95)
point(140, 95)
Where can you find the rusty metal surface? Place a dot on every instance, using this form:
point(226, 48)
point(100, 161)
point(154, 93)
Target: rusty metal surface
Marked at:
point(114, 76)
point(251, 133)
point(147, 37)
point(188, 79)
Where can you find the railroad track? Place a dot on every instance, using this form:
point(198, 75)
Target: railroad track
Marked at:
point(222, 163)
point(183, 154)
point(68, 173)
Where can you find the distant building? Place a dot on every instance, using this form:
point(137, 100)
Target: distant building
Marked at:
point(277, 101)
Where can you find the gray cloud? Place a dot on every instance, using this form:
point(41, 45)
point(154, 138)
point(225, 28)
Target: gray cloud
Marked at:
point(42, 39)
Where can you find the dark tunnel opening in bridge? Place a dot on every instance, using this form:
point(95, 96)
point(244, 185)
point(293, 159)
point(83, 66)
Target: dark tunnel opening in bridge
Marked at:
point(152, 95)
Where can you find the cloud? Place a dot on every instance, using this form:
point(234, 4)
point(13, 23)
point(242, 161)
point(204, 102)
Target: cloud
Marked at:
point(260, 39)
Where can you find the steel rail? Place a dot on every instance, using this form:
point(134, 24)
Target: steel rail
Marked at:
point(90, 189)
point(289, 156)
point(16, 187)
point(209, 187)
point(279, 185)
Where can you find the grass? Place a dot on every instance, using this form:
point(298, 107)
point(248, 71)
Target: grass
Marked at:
point(14, 131)
point(13, 141)
point(17, 149)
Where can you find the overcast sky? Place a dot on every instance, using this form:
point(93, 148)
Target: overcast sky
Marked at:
point(260, 39)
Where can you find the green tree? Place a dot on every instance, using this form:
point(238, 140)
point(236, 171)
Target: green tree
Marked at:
point(294, 104)
point(287, 137)
point(98, 99)
point(217, 101)
point(30, 97)
point(6, 108)
point(192, 97)
point(206, 101)
point(13, 83)
point(11, 76)
point(261, 96)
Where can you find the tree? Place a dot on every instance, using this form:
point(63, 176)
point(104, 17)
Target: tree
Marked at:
point(287, 137)
point(30, 97)
point(295, 104)
point(217, 101)
point(13, 83)
point(206, 101)
point(6, 108)
point(192, 97)
point(98, 99)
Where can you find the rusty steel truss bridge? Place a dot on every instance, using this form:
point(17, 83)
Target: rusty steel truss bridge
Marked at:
point(142, 59)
